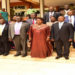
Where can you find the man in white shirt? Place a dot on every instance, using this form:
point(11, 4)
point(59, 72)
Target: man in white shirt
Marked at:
point(71, 19)
point(4, 46)
point(67, 9)
point(32, 19)
point(62, 34)
point(1, 28)
point(61, 24)
point(18, 33)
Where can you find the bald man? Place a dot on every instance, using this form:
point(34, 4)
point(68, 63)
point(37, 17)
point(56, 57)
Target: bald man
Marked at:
point(62, 34)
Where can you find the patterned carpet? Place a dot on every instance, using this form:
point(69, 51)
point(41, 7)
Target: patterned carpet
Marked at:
point(10, 65)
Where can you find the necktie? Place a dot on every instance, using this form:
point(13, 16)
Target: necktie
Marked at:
point(33, 21)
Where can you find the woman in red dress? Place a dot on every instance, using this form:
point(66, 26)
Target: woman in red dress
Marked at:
point(39, 37)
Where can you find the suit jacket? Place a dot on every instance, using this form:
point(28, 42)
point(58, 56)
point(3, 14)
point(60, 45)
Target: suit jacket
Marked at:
point(23, 30)
point(5, 33)
point(65, 33)
point(46, 16)
point(30, 21)
point(67, 20)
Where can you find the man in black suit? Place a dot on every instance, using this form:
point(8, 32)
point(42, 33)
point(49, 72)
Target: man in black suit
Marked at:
point(4, 47)
point(62, 34)
point(50, 14)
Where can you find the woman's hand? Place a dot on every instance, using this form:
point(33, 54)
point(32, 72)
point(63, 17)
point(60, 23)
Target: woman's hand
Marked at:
point(10, 39)
point(48, 38)
point(52, 40)
point(29, 43)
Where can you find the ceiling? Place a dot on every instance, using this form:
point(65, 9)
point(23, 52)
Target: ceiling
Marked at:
point(49, 2)
point(56, 2)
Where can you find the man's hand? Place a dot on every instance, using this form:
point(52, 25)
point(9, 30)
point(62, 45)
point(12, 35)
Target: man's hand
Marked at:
point(70, 40)
point(10, 39)
point(29, 43)
point(52, 40)
point(48, 39)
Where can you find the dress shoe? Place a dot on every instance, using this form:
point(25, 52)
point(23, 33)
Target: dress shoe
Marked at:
point(58, 57)
point(24, 55)
point(5, 54)
point(66, 57)
point(18, 54)
point(1, 53)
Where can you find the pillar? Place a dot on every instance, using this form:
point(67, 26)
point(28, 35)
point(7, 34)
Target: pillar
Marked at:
point(3, 4)
point(8, 9)
point(6, 6)
point(41, 8)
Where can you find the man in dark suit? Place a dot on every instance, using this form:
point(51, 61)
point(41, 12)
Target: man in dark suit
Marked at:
point(66, 9)
point(62, 34)
point(4, 47)
point(50, 14)
point(18, 33)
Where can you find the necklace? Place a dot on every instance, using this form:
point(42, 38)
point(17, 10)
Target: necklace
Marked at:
point(39, 26)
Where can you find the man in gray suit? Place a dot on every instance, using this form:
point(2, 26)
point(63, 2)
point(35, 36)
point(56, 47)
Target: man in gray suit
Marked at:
point(32, 19)
point(62, 34)
point(18, 33)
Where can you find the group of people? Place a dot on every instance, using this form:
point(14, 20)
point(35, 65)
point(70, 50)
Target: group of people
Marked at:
point(55, 31)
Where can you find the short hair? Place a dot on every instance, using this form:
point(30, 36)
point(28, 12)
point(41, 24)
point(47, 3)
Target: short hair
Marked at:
point(40, 18)
point(19, 16)
point(2, 18)
point(62, 16)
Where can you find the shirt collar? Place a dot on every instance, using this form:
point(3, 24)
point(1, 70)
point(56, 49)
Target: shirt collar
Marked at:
point(18, 22)
point(61, 22)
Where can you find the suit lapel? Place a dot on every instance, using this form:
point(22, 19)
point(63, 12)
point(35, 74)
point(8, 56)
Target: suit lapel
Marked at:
point(74, 23)
point(74, 20)
point(48, 16)
point(21, 26)
point(67, 18)
point(63, 25)
point(57, 26)
point(13, 28)
point(4, 28)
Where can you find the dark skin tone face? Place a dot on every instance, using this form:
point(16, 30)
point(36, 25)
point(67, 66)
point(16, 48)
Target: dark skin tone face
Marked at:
point(3, 10)
point(53, 19)
point(73, 12)
point(70, 13)
point(51, 9)
point(61, 18)
point(33, 15)
point(18, 19)
point(2, 21)
point(14, 18)
point(66, 7)
point(39, 21)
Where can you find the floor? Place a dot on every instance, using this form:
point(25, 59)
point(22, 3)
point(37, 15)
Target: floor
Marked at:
point(10, 65)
